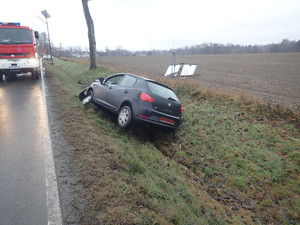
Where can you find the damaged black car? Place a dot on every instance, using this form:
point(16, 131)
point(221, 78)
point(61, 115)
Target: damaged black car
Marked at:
point(135, 98)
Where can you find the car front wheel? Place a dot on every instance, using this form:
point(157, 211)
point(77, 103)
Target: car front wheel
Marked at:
point(125, 117)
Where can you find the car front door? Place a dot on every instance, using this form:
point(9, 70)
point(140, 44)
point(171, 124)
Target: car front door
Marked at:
point(118, 93)
point(106, 88)
point(101, 90)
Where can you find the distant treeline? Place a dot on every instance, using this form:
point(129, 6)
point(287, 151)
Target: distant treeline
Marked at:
point(213, 48)
point(206, 48)
point(209, 48)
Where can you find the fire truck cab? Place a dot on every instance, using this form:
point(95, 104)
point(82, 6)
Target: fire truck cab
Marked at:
point(18, 51)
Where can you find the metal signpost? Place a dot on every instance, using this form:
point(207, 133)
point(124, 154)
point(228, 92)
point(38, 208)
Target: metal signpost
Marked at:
point(46, 15)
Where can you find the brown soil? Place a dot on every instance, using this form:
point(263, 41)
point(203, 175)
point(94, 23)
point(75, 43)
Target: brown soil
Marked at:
point(272, 77)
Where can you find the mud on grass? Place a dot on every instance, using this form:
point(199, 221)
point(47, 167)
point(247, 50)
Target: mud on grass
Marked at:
point(227, 163)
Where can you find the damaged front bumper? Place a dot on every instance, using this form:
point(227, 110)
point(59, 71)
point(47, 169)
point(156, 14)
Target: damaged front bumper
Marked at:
point(84, 97)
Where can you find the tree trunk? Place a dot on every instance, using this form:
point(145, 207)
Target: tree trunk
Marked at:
point(91, 34)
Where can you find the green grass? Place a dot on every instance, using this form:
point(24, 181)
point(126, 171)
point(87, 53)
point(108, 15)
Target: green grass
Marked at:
point(233, 160)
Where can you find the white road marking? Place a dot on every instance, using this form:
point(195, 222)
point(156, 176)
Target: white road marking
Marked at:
point(53, 205)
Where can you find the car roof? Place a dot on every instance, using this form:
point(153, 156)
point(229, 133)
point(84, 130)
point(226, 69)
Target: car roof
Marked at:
point(134, 75)
point(144, 78)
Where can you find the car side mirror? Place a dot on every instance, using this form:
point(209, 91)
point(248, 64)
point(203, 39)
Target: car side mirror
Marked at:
point(101, 79)
point(36, 34)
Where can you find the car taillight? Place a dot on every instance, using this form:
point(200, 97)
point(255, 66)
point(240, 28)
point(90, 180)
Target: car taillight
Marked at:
point(146, 98)
point(181, 109)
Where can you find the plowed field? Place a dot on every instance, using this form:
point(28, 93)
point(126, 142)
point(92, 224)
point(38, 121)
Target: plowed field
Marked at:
point(271, 77)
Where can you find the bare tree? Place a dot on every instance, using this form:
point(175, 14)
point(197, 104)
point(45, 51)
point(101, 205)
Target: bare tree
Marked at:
point(91, 34)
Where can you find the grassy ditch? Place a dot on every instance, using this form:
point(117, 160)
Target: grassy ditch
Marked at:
point(232, 161)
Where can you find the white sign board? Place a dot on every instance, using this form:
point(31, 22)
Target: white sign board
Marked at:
point(182, 69)
point(172, 70)
point(188, 70)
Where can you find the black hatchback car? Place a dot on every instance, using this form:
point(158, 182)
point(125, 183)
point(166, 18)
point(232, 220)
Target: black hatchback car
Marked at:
point(135, 98)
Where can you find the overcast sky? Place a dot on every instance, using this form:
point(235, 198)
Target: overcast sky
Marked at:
point(160, 24)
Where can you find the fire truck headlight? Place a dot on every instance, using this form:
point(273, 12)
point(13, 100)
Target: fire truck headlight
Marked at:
point(33, 61)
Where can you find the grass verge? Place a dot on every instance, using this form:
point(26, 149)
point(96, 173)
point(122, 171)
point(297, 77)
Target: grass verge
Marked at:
point(232, 161)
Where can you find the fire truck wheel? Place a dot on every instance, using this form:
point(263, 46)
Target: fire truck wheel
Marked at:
point(35, 74)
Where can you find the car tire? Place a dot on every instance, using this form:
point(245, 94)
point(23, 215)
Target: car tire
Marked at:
point(125, 117)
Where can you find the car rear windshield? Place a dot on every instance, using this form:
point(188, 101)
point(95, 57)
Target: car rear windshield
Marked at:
point(161, 91)
point(15, 36)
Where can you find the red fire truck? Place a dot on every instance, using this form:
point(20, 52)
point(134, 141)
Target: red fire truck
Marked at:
point(18, 51)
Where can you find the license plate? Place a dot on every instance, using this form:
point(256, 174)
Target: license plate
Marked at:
point(166, 120)
point(14, 67)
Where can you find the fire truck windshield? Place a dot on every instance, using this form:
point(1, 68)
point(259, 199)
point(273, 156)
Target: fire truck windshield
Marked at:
point(15, 36)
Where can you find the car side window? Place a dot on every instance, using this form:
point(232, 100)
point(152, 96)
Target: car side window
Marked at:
point(114, 79)
point(128, 81)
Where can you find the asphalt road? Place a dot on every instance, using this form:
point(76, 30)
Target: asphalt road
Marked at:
point(24, 140)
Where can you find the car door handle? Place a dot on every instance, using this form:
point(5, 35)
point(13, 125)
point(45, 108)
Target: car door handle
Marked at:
point(125, 91)
point(110, 87)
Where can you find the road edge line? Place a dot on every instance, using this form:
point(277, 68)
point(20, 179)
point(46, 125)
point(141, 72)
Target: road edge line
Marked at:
point(53, 203)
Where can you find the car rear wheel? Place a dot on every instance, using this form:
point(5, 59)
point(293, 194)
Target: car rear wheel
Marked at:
point(125, 117)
